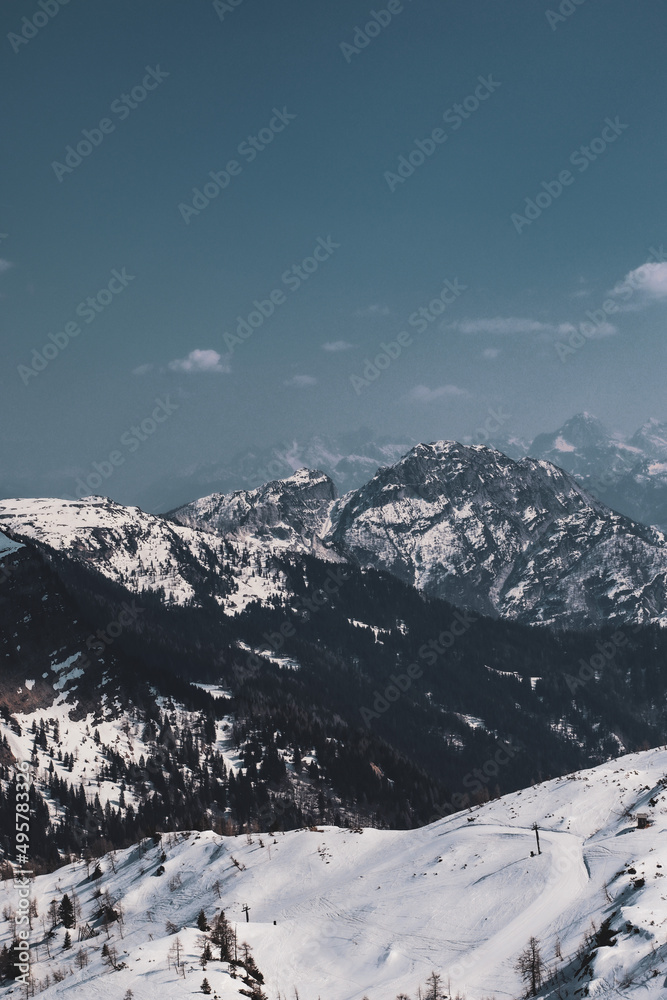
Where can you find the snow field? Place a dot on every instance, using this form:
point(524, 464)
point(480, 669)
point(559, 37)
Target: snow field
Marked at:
point(373, 913)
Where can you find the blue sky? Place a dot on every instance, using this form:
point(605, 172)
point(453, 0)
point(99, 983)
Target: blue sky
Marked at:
point(171, 92)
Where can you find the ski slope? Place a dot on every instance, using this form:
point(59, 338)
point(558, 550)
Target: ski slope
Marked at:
point(372, 913)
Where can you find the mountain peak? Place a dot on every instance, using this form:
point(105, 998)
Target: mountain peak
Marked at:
point(284, 512)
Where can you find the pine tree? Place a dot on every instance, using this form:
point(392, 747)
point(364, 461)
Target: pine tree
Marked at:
point(66, 912)
point(67, 942)
point(202, 922)
point(222, 936)
point(205, 987)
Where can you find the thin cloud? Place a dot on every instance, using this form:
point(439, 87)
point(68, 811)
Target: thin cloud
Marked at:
point(5, 265)
point(502, 325)
point(423, 394)
point(143, 369)
point(200, 361)
point(522, 325)
point(491, 353)
point(301, 381)
point(333, 346)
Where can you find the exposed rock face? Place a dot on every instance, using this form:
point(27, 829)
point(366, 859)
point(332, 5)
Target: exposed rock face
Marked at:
point(517, 539)
point(287, 512)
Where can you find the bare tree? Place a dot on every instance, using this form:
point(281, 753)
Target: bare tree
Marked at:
point(174, 954)
point(434, 987)
point(530, 967)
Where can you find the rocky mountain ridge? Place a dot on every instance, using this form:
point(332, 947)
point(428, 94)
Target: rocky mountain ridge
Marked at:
point(521, 540)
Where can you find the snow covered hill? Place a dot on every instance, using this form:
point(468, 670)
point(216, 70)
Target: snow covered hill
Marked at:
point(142, 552)
point(340, 915)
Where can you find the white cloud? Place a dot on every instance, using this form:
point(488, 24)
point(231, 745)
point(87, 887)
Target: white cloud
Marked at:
point(422, 393)
point(644, 284)
point(491, 353)
point(337, 345)
point(200, 361)
point(374, 310)
point(5, 265)
point(301, 381)
point(142, 369)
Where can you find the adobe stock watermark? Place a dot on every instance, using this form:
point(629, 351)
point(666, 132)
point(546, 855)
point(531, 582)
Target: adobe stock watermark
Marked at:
point(420, 321)
point(31, 26)
point(401, 683)
point(492, 424)
point(475, 780)
point(454, 116)
point(292, 278)
point(222, 7)
point(130, 441)
point(606, 651)
point(97, 643)
point(581, 158)
point(566, 9)
point(22, 873)
point(122, 108)
point(249, 149)
point(596, 319)
point(363, 36)
point(88, 310)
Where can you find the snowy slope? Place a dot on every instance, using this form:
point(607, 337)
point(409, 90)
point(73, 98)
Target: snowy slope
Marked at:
point(373, 913)
point(141, 551)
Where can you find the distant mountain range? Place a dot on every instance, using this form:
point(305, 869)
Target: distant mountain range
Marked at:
point(519, 540)
point(350, 459)
point(627, 474)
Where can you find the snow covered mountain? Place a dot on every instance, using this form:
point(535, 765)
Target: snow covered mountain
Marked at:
point(629, 475)
point(518, 539)
point(341, 914)
point(300, 651)
point(465, 523)
point(140, 551)
point(288, 513)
